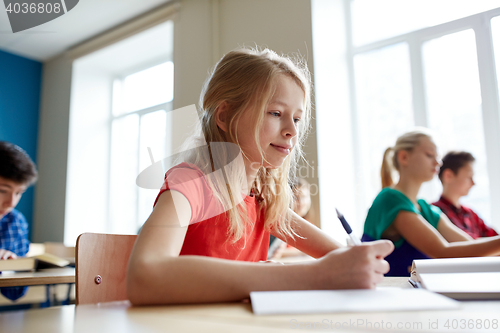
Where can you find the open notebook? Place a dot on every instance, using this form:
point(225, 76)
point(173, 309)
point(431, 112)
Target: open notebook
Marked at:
point(366, 300)
point(459, 278)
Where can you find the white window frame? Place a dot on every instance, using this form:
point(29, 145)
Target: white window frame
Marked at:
point(481, 24)
point(89, 144)
point(339, 163)
point(167, 107)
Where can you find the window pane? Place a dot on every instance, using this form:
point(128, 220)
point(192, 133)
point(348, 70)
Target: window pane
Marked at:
point(381, 19)
point(495, 30)
point(384, 110)
point(454, 108)
point(147, 88)
point(153, 135)
point(123, 172)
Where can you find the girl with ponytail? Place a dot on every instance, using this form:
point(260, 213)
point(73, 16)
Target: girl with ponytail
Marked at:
point(417, 229)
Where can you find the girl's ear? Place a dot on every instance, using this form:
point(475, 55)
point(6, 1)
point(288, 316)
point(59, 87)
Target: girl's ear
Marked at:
point(403, 157)
point(221, 116)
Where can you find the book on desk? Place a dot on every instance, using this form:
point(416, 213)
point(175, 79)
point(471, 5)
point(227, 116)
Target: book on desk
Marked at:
point(44, 260)
point(459, 278)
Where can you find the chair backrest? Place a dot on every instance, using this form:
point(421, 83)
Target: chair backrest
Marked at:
point(101, 267)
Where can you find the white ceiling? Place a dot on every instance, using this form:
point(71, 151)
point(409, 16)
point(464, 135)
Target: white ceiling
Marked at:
point(88, 18)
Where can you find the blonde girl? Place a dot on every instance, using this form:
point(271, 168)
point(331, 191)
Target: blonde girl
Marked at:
point(210, 227)
point(417, 229)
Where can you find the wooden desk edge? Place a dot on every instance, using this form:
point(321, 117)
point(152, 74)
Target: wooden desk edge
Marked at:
point(29, 281)
point(42, 277)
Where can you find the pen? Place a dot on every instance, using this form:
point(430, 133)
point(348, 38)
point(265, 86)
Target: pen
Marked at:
point(355, 240)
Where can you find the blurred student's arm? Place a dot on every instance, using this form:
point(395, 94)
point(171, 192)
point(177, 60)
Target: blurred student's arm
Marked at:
point(311, 240)
point(419, 233)
point(451, 232)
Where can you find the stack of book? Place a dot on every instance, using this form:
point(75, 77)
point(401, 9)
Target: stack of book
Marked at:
point(45, 260)
point(459, 278)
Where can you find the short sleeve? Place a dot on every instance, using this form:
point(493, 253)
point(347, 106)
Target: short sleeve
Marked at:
point(431, 213)
point(384, 210)
point(190, 181)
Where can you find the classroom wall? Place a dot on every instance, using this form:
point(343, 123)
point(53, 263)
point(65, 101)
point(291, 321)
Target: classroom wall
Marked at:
point(284, 26)
point(20, 81)
point(53, 127)
point(203, 32)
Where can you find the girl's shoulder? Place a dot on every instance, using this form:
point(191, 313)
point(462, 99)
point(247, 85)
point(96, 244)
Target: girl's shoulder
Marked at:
point(392, 196)
point(430, 212)
point(183, 172)
point(188, 179)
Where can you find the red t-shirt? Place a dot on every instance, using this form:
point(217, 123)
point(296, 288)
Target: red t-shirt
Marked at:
point(207, 233)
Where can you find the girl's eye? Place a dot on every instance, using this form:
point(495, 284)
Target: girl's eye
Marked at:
point(275, 114)
point(296, 120)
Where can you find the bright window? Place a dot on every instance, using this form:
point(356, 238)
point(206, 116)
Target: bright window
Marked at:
point(454, 106)
point(384, 108)
point(140, 125)
point(377, 20)
point(495, 29)
point(121, 100)
point(408, 63)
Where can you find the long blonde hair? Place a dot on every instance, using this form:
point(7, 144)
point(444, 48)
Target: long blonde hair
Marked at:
point(407, 142)
point(245, 80)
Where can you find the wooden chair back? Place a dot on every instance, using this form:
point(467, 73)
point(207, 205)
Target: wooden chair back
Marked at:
point(101, 267)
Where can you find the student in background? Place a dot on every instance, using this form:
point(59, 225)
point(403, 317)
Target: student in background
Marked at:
point(17, 173)
point(301, 205)
point(417, 229)
point(457, 176)
point(198, 245)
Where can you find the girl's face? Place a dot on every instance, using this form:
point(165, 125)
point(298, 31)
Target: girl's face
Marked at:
point(423, 160)
point(279, 130)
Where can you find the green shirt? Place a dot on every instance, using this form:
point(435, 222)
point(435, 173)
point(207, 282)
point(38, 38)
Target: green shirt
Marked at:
point(386, 206)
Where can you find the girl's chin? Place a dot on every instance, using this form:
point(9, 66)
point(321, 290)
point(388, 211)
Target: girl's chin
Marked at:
point(429, 178)
point(271, 166)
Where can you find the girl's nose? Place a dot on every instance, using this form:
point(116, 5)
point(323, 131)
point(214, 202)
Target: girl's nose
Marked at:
point(290, 129)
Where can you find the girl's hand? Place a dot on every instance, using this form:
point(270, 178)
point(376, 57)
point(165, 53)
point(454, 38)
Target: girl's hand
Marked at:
point(357, 267)
point(6, 254)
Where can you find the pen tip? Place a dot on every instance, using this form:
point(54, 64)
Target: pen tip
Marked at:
point(338, 213)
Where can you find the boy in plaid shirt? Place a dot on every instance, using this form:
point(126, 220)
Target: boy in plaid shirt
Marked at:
point(17, 173)
point(456, 175)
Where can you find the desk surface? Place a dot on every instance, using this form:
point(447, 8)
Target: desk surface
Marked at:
point(43, 276)
point(238, 317)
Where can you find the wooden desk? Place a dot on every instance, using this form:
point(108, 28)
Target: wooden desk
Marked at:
point(44, 276)
point(238, 317)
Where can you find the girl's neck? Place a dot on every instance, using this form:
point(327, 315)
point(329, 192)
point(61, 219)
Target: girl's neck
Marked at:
point(409, 188)
point(251, 175)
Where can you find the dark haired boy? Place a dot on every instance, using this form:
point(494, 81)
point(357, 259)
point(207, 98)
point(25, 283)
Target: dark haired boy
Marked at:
point(456, 175)
point(17, 173)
